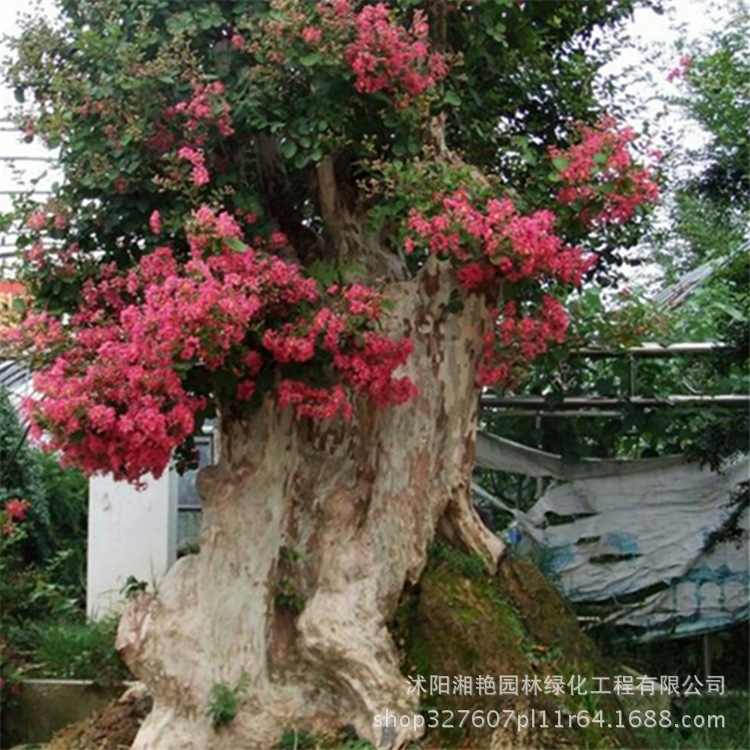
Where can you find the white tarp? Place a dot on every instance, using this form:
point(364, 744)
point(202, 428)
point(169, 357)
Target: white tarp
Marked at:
point(635, 534)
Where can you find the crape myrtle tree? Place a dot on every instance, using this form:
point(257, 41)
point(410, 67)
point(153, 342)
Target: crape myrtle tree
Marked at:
point(326, 224)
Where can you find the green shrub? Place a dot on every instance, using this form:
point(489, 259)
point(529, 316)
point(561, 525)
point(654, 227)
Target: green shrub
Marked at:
point(73, 650)
point(222, 701)
point(42, 553)
point(733, 735)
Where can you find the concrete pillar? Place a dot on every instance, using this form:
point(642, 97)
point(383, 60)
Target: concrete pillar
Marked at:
point(130, 532)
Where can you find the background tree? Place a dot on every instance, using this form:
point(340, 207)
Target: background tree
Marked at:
point(323, 223)
point(703, 221)
point(42, 546)
point(702, 224)
point(711, 212)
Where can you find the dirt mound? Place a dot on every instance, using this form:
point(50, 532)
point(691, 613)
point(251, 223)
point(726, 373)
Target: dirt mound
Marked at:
point(113, 728)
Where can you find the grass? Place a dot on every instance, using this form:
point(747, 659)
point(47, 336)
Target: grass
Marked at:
point(74, 650)
point(734, 735)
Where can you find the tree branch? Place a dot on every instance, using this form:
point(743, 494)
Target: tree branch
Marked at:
point(278, 200)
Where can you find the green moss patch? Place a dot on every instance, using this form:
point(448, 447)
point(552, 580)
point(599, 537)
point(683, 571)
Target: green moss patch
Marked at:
point(460, 621)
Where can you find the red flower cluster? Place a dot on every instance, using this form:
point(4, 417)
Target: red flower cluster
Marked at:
point(14, 512)
point(387, 57)
point(185, 127)
point(16, 509)
point(46, 217)
point(600, 177)
point(113, 395)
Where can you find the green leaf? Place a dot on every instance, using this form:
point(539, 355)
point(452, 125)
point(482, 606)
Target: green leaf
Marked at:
point(288, 149)
point(497, 32)
point(560, 162)
point(452, 98)
point(731, 311)
point(235, 244)
point(310, 59)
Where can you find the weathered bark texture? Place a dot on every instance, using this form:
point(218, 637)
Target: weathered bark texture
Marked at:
point(310, 533)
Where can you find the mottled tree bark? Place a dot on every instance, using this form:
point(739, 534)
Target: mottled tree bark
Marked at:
point(310, 533)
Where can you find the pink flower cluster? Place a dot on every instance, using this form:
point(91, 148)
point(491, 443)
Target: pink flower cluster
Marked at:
point(185, 128)
point(387, 57)
point(317, 403)
point(46, 217)
point(311, 35)
point(495, 244)
point(518, 337)
point(199, 173)
point(685, 63)
point(206, 107)
point(600, 177)
point(367, 42)
point(113, 395)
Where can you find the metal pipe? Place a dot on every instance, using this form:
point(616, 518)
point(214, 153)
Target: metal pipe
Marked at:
point(568, 414)
point(652, 350)
point(593, 402)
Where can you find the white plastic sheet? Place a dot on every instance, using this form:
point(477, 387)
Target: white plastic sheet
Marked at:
point(634, 535)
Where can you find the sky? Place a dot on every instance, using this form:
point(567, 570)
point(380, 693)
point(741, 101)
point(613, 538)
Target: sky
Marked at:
point(649, 35)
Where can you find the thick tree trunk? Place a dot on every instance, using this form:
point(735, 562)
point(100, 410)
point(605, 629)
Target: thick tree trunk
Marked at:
point(310, 533)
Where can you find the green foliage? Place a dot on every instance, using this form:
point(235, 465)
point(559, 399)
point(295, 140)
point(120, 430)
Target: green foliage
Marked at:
point(293, 738)
point(525, 64)
point(101, 74)
point(733, 735)
point(710, 218)
point(301, 739)
point(717, 99)
point(43, 563)
point(710, 184)
point(222, 707)
point(55, 528)
point(358, 745)
point(288, 596)
point(18, 471)
point(133, 587)
point(222, 701)
point(73, 650)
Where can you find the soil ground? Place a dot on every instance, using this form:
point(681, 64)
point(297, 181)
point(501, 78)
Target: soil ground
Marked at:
point(113, 728)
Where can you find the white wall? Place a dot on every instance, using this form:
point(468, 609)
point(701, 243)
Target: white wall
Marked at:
point(131, 532)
